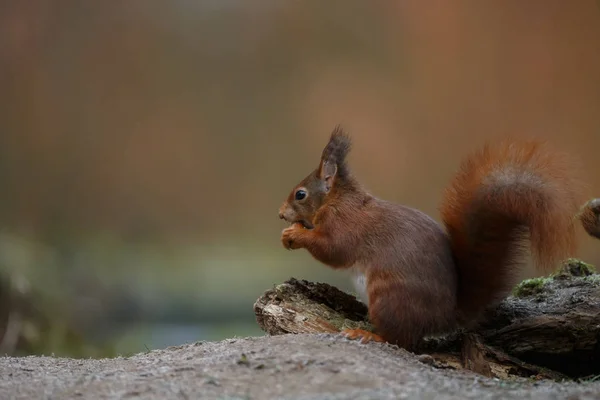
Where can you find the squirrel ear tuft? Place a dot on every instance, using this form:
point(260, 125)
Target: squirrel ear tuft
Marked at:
point(333, 158)
point(338, 146)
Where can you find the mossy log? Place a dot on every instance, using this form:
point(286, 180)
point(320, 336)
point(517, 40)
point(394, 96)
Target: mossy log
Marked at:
point(549, 327)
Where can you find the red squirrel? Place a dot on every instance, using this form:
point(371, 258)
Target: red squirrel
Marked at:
point(417, 278)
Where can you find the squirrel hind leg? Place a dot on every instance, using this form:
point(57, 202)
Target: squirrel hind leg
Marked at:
point(402, 331)
point(364, 336)
point(404, 311)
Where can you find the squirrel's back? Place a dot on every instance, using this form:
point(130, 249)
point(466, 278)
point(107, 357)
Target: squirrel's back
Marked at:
point(502, 196)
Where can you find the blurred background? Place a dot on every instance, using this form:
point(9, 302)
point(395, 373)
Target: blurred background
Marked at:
point(146, 146)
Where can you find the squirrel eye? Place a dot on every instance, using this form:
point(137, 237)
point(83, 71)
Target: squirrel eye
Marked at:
point(300, 194)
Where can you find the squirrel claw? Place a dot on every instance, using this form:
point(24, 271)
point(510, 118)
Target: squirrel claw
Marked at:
point(364, 336)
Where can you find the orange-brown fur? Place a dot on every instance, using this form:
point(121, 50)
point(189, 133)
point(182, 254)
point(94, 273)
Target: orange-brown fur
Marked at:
point(502, 196)
point(420, 278)
point(364, 336)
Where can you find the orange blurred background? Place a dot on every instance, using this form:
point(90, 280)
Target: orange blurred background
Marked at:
point(145, 146)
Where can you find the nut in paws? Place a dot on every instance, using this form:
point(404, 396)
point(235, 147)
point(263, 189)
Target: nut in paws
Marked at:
point(290, 236)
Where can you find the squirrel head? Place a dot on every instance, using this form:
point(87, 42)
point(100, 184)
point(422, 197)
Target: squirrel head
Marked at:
point(311, 193)
point(590, 217)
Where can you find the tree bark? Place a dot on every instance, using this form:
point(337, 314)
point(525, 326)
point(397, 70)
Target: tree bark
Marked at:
point(548, 328)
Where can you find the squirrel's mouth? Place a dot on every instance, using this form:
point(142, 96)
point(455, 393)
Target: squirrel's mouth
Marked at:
point(305, 223)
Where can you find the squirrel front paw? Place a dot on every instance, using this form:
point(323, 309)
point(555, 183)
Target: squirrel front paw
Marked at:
point(290, 236)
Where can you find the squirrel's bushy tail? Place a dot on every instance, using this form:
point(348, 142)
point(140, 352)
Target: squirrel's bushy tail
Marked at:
point(502, 196)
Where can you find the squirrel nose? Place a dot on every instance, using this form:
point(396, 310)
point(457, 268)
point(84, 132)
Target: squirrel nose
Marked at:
point(280, 215)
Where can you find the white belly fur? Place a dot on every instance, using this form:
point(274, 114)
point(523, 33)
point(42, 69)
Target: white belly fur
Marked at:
point(360, 283)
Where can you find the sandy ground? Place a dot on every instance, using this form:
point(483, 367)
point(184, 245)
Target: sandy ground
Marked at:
point(280, 367)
